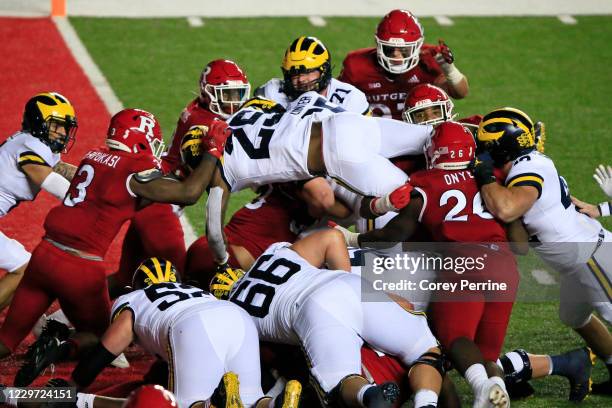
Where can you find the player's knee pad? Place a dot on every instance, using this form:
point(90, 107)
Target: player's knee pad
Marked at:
point(435, 360)
point(516, 366)
point(575, 315)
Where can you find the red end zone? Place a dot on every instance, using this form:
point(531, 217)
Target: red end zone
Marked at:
point(36, 59)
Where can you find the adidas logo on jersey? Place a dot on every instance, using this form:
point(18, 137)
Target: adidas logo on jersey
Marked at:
point(414, 80)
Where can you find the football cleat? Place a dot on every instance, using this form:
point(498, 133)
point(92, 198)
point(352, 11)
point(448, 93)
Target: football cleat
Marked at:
point(381, 396)
point(491, 395)
point(291, 397)
point(227, 394)
point(581, 363)
point(42, 353)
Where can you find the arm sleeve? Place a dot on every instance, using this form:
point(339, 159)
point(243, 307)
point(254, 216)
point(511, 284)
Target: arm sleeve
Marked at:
point(214, 223)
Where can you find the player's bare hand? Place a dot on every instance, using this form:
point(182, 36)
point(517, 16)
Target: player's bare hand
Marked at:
point(586, 208)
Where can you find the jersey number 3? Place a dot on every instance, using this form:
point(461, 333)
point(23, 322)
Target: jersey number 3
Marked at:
point(86, 174)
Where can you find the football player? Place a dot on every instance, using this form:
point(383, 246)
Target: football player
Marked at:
point(306, 66)
point(533, 191)
point(355, 150)
point(292, 301)
point(200, 337)
point(398, 63)
point(223, 87)
point(447, 202)
point(109, 186)
point(30, 160)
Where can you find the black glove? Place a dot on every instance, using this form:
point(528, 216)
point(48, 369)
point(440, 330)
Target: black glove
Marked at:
point(483, 171)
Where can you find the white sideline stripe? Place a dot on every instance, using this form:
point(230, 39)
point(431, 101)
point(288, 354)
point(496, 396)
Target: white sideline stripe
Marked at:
point(317, 21)
point(104, 90)
point(543, 277)
point(567, 19)
point(444, 21)
point(93, 73)
point(188, 231)
point(195, 21)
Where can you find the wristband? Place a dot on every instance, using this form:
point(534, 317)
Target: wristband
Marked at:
point(453, 75)
point(605, 208)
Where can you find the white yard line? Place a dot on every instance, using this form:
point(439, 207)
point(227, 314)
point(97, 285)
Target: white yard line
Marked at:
point(104, 90)
point(195, 21)
point(317, 21)
point(543, 277)
point(444, 20)
point(567, 19)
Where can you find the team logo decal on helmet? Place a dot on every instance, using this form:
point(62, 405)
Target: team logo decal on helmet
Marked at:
point(304, 55)
point(191, 146)
point(427, 105)
point(399, 37)
point(152, 271)
point(50, 117)
point(451, 147)
point(224, 86)
point(221, 284)
point(135, 131)
point(506, 134)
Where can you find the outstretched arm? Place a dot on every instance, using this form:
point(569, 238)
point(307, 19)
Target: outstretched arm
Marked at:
point(155, 187)
point(216, 206)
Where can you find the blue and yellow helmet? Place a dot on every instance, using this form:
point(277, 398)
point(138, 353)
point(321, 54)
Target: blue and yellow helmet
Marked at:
point(153, 271)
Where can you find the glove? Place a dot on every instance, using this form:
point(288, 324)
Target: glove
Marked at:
point(213, 142)
point(603, 177)
point(482, 171)
point(540, 136)
point(393, 201)
point(443, 54)
point(224, 279)
point(58, 383)
point(349, 237)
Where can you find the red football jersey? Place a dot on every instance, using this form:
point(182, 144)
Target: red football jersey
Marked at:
point(387, 92)
point(453, 210)
point(98, 201)
point(275, 216)
point(194, 114)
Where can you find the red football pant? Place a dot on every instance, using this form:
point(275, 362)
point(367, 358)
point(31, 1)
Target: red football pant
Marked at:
point(154, 231)
point(483, 322)
point(79, 285)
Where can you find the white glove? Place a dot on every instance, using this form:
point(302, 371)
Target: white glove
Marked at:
point(603, 176)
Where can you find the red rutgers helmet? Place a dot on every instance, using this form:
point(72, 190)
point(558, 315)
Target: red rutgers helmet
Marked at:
point(427, 105)
point(452, 147)
point(135, 131)
point(224, 86)
point(150, 396)
point(399, 38)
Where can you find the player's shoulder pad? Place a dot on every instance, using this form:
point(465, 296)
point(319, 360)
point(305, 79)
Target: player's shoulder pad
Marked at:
point(31, 157)
point(528, 170)
point(34, 145)
point(146, 176)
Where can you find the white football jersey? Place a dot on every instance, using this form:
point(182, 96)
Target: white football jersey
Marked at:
point(272, 147)
point(553, 218)
point(156, 307)
point(341, 93)
point(19, 149)
point(274, 288)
